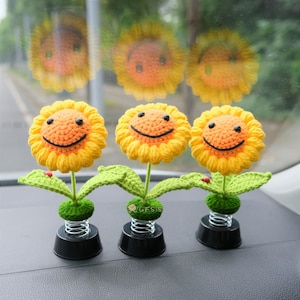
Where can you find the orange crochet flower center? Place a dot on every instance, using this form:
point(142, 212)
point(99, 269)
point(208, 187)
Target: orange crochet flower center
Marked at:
point(224, 136)
point(148, 63)
point(63, 51)
point(152, 127)
point(219, 66)
point(65, 131)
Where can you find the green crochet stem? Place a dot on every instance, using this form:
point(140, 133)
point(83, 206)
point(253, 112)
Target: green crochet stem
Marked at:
point(73, 182)
point(223, 190)
point(74, 210)
point(223, 184)
point(76, 207)
point(222, 203)
point(147, 180)
point(144, 208)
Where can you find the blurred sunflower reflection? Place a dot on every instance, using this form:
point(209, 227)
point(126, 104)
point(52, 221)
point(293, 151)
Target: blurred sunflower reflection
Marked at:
point(148, 61)
point(58, 54)
point(221, 67)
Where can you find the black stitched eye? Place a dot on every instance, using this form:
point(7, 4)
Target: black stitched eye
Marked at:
point(50, 121)
point(237, 128)
point(79, 121)
point(141, 114)
point(162, 60)
point(76, 47)
point(139, 68)
point(211, 125)
point(166, 117)
point(48, 54)
point(232, 59)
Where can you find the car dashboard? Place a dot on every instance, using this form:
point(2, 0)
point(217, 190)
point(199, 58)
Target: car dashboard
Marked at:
point(265, 266)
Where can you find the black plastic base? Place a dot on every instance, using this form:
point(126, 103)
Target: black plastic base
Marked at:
point(218, 237)
point(142, 245)
point(74, 248)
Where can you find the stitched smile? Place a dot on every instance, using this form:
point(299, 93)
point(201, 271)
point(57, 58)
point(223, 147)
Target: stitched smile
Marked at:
point(65, 146)
point(151, 136)
point(223, 149)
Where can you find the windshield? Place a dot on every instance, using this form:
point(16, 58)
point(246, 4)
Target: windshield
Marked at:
point(118, 54)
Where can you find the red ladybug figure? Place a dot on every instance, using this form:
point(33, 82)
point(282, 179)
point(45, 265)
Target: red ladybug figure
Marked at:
point(48, 173)
point(206, 179)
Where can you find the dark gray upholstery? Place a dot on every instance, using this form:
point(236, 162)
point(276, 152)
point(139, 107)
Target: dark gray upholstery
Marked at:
point(265, 266)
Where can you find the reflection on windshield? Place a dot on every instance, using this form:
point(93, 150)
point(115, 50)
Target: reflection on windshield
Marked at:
point(58, 55)
point(221, 67)
point(244, 54)
point(148, 61)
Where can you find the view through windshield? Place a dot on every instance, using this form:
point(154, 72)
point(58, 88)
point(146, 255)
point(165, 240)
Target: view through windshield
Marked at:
point(118, 54)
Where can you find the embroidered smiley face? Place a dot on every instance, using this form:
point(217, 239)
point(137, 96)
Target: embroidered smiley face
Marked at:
point(226, 139)
point(67, 136)
point(65, 131)
point(225, 135)
point(153, 126)
point(153, 133)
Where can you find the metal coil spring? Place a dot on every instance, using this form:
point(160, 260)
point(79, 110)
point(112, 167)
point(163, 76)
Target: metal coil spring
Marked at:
point(219, 220)
point(142, 227)
point(78, 229)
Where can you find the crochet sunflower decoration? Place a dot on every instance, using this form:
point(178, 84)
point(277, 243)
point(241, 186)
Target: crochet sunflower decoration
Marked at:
point(227, 140)
point(151, 133)
point(148, 61)
point(221, 67)
point(59, 53)
point(68, 136)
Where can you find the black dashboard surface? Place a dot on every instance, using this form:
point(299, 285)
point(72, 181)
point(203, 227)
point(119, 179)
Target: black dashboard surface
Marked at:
point(265, 266)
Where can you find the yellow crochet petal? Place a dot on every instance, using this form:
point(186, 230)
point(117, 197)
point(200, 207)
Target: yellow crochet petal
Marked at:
point(58, 142)
point(226, 139)
point(160, 133)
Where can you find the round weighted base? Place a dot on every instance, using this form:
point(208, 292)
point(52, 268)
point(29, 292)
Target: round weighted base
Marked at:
point(219, 237)
point(73, 248)
point(142, 245)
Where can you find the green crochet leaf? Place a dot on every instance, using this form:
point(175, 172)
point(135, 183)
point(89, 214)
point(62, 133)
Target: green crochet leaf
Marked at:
point(106, 176)
point(246, 182)
point(220, 180)
point(169, 185)
point(38, 178)
point(199, 180)
point(131, 182)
